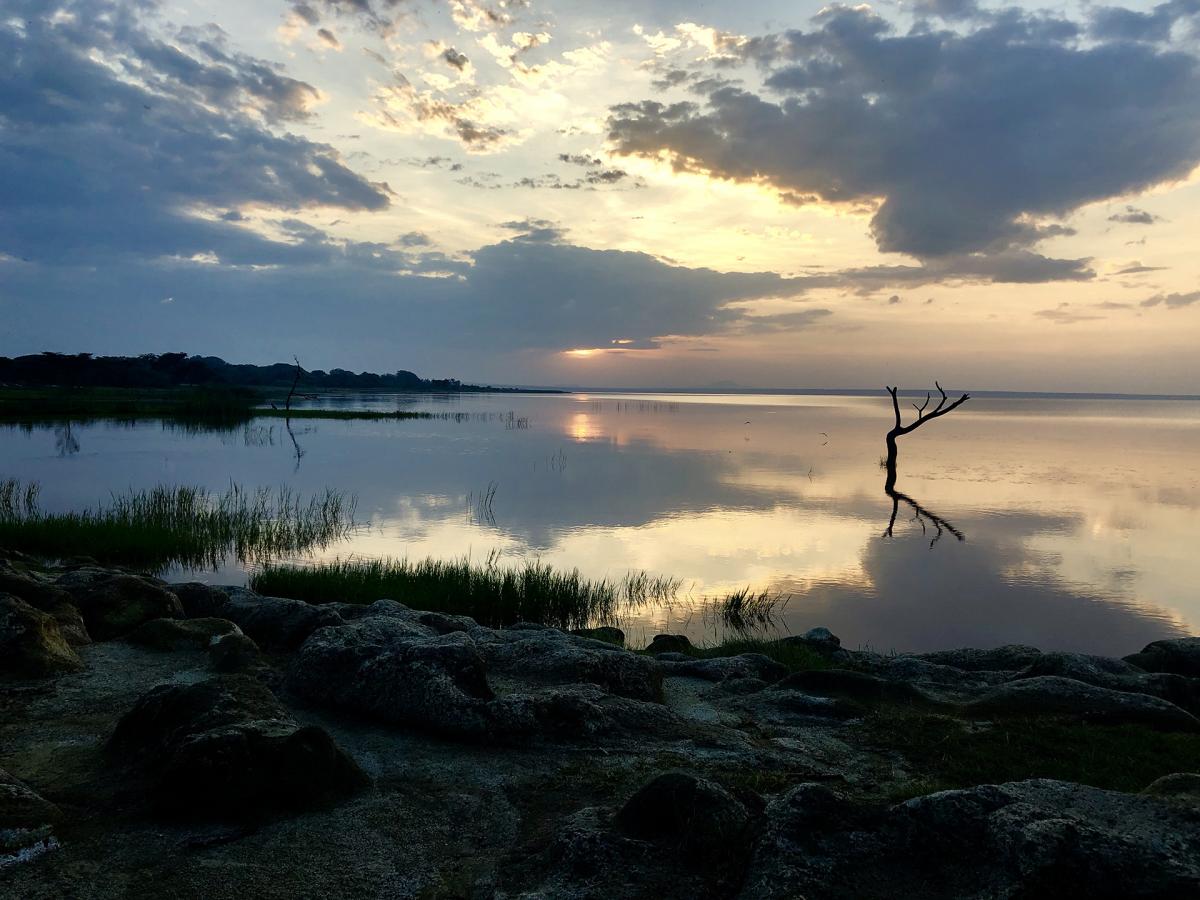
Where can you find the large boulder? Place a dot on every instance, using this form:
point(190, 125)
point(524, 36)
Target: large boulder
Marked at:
point(550, 656)
point(1118, 675)
point(200, 601)
point(227, 748)
point(22, 807)
point(1009, 657)
point(852, 685)
point(115, 605)
point(277, 623)
point(1026, 839)
point(31, 643)
point(669, 643)
point(1052, 695)
point(166, 635)
point(722, 668)
point(49, 598)
point(391, 670)
point(234, 652)
point(690, 813)
point(606, 633)
point(1178, 655)
point(26, 822)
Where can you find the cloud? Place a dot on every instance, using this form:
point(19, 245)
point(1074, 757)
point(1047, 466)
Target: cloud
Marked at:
point(329, 39)
point(1136, 268)
point(1134, 216)
point(157, 154)
point(1115, 23)
point(1065, 314)
point(455, 59)
point(962, 141)
point(1172, 301)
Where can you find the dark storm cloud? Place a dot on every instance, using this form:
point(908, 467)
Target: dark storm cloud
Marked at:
point(964, 138)
point(1118, 24)
point(98, 163)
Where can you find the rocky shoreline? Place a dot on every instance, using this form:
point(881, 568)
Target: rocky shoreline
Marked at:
point(195, 741)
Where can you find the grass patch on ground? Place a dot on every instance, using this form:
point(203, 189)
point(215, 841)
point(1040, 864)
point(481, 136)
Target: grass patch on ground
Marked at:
point(951, 753)
point(493, 595)
point(167, 526)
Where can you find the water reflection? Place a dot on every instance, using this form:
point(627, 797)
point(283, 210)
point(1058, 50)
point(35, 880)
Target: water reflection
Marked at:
point(1080, 521)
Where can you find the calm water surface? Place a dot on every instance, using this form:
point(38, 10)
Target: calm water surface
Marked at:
point(1078, 518)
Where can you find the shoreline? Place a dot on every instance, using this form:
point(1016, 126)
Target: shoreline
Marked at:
point(214, 742)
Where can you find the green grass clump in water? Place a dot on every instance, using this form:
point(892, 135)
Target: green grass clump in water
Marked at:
point(493, 596)
point(167, 526)
point(949, 753)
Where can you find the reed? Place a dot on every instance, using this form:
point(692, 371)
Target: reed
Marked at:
point(184, 526)
point(491, 594)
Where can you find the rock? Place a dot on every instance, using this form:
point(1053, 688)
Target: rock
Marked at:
point(1180, 656)
point(1026, 839)
point(550, 656)
point(22, 807)
point(818, 641)
point(169, 713)
point(234, 652)
point(226, 747)
point(387, 669)
point(1180, 786)
point(720, 668)
point(277, 623)
point(1051, 695)
point(48, 598)
point(669, 643)
point(822, 636)
point(1009, 657)
point(1118, 675)
point(166, 635)
point(687, 812)
point(239, 770)
point(605, 633)
point(851, 684)
point(200, 601)
point(114, 606)
point(31, 643)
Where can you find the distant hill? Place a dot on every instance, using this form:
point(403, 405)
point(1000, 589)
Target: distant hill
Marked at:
point(166, 370)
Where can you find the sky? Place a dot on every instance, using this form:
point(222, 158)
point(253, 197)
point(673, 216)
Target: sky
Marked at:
point(623, 194)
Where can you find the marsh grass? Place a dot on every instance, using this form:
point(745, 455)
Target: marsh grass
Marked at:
point(947, 753)
point(184, 526)
point(744, 612)
point(491, 594)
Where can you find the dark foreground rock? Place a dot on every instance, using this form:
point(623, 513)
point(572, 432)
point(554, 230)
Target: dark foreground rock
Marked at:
point(115, 605)
point(1180, 656)
point(277, 623)
point(48, 598)
point(31, 644)
point(1054, 695)
point(688, 813)
point(226, 747)
point(1026, 839)
point(166, 635)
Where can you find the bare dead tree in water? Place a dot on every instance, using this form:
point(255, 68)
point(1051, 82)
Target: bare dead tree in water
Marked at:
point(900, 429)
point(920, 515)
point(295, 381)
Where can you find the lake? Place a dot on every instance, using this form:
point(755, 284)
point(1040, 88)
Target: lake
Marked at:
point(1062, 523)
